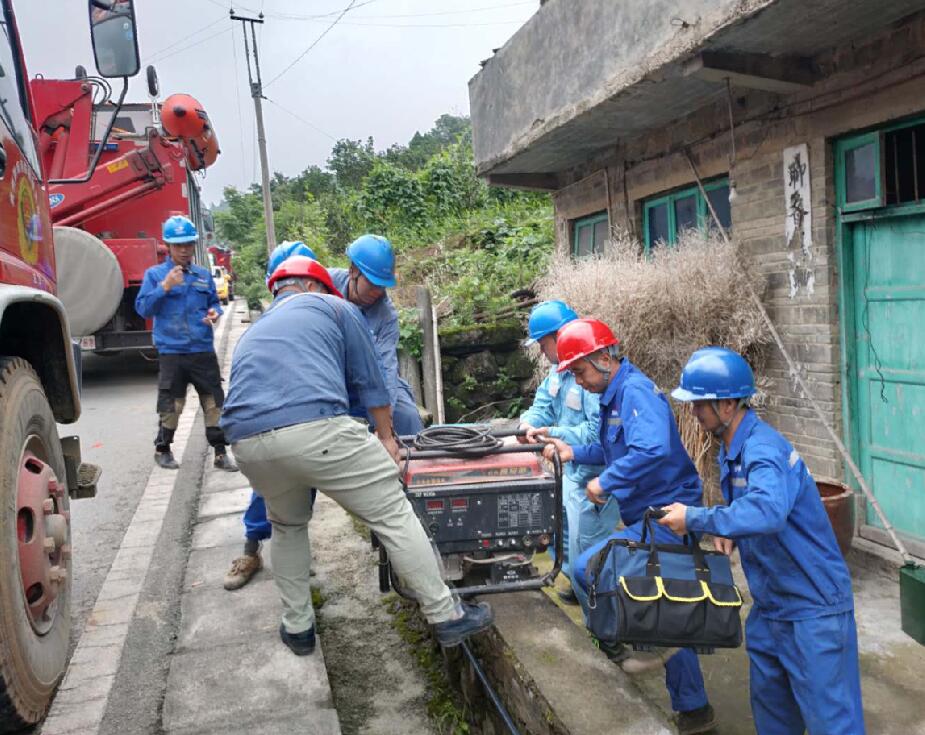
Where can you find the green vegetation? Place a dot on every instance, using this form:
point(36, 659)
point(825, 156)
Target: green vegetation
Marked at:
point(472, 244)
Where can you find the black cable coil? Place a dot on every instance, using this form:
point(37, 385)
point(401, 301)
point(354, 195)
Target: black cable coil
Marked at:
point(474, 439)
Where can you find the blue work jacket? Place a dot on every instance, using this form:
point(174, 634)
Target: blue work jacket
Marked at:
point(178, 314)
point(638, 440)
point(301, 361)
point(571, 414)
point(789, 552)
point(383, 325)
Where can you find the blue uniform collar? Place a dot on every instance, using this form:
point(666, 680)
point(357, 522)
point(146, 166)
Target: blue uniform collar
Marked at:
point(738, 439)
point(607, 397)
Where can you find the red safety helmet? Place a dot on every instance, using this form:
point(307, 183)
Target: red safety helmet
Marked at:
point(301, 266)
point(581, 338)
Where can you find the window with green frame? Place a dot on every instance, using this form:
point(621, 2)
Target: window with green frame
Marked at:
point(589, 234)
point(666, 215)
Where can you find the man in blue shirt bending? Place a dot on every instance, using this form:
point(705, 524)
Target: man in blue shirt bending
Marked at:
point(364, 284)
point(180, 296)
point(646, 464)
point(293, 433)
point(800, 634)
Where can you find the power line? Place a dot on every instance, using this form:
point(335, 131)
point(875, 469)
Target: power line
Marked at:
point(412, 15)
point(192, 45)
point(357, 24)
point(194, 33)
point(300, 119)
point(314, 43)
point(237, 93)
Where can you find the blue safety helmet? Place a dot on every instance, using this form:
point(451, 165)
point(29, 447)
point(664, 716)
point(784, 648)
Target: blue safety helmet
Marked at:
point(548, 317)
point(178, 230)
point(375, 259)
point(286, 250)
point(713, 373)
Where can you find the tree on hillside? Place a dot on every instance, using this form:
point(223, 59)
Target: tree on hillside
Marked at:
point(351, 161)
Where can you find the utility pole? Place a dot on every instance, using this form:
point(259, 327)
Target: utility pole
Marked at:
point(257, 95)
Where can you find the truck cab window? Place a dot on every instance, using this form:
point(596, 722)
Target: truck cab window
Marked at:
point(12, 107)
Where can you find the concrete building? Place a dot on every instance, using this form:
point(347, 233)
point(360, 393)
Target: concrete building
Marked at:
point(813, 113)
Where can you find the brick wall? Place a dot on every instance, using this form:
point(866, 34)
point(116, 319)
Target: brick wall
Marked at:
point(866, 84)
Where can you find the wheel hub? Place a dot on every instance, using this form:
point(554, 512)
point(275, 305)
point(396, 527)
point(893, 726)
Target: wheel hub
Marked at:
point(42, 535)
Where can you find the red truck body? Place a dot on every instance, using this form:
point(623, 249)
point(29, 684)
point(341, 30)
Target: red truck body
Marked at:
point(143, 177)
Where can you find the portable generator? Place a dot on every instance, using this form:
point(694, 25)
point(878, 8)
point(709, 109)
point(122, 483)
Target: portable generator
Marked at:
point(487, 507)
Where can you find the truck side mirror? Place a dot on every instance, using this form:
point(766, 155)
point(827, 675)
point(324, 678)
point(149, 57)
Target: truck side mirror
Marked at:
point(115, 38)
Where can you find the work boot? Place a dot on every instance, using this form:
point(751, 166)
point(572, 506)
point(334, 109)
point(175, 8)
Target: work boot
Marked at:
point(242, 569)
point(166, 460)
point(639, 664)
point(475, 618)
point(301, 644)
point(696, 721)
point(224, 462)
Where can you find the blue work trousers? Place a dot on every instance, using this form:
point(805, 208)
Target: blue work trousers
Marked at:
point(584, 523)
point(256, 525)
point(804, 675)
point(682, 671)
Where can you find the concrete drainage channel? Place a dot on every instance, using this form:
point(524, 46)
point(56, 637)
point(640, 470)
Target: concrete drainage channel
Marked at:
point(387, 676)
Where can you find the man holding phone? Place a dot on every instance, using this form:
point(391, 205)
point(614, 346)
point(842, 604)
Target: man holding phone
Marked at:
point(180, 297)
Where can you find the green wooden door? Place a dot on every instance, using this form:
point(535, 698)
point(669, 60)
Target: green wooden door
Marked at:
point(888, 275)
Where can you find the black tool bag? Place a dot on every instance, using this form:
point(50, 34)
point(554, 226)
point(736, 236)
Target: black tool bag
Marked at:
point(671, 595)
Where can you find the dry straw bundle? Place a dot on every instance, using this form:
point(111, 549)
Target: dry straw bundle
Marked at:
point(665, 305)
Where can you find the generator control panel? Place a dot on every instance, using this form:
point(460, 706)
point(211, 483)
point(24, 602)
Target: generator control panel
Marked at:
point(504, 502)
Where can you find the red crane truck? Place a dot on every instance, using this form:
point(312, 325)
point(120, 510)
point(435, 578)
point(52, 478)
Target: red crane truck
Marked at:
point(108, 228)
point(39, 387)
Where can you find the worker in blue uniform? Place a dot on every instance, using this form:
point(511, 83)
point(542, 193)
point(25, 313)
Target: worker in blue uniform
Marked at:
point(294, 433)
point(564, 410)
point(646, 464)
point(364, 284)
point(257, 528)
point(180, 297)
point(800, 634)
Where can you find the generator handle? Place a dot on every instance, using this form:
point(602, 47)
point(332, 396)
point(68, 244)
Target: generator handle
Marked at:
point(548, 578)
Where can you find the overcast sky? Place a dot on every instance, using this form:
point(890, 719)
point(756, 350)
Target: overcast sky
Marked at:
point(387, 69)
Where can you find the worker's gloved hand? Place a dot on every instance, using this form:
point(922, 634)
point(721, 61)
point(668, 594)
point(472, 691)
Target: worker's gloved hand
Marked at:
point(537, 435)
point(523, 427)
point(174, 278)
point(595, 492)
point(211, 317)
point(552, 445)
point(723, 545)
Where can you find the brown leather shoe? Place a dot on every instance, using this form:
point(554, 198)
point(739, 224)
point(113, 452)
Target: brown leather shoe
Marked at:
point(242, 569)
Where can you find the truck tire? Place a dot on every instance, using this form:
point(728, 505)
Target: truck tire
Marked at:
point(35, 620)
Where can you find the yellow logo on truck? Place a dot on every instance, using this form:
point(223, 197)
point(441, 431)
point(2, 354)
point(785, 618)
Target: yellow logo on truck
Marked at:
point(28, 221)
point(117, 166)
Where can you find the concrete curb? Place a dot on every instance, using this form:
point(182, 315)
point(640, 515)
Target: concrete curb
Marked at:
point(82, 698)
point(229, 672)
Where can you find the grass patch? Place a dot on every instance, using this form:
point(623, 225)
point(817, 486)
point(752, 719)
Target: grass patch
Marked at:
point(443, 705)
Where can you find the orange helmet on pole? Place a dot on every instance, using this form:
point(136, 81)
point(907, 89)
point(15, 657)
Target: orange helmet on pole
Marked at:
point(581, 338)
point(301, 266)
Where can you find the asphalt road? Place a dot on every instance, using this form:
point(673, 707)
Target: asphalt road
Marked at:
point(116, 430)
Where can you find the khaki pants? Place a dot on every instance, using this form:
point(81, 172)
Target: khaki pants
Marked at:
point(343, 460)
